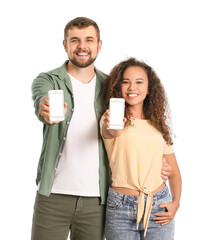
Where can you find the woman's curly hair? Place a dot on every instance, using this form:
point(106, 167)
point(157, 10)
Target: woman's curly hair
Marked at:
point(155, 105)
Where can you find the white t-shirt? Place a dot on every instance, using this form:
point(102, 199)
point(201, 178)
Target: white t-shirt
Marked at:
point(78, 169)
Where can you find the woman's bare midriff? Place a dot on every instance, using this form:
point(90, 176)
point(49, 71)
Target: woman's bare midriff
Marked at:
point(131, 192)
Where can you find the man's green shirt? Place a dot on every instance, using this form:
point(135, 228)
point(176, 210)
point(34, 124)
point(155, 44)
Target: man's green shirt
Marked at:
point(54, 136)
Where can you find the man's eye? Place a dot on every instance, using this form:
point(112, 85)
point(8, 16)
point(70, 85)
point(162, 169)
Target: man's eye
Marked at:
point(139, 82)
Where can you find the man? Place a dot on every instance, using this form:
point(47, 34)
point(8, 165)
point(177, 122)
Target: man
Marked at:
point(73, 173)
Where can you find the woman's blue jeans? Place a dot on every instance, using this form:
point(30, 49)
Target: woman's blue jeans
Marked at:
point(121, 218)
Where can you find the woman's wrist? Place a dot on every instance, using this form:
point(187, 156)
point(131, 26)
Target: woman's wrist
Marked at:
point(176, 203)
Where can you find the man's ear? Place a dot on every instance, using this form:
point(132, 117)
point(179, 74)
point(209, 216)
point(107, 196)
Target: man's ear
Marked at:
point(99, 46)
point(65, 45)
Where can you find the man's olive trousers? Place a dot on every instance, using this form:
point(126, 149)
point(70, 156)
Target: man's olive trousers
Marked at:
point(57, 215)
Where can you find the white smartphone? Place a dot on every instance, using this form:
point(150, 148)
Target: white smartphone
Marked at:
point(56, 105)
point(117, 111)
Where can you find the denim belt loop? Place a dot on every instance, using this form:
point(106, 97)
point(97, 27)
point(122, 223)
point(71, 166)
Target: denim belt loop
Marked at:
point(124, 199)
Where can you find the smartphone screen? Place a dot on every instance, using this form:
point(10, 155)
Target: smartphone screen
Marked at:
point(56, 105)
point(117, 108)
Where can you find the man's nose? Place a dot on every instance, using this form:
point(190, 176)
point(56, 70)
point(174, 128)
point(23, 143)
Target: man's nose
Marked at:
point(81, 45)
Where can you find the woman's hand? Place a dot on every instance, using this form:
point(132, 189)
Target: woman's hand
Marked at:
point(106, 131)
point(107, 118)
point(175, 183)
point(167, 217)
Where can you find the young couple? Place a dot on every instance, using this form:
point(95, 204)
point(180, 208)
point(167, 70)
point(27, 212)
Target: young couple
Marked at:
point(73, 175)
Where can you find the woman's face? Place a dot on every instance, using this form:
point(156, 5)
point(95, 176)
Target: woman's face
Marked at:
point(134, 86)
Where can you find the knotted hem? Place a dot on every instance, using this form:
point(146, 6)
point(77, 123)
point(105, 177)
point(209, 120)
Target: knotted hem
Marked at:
point(141, 207)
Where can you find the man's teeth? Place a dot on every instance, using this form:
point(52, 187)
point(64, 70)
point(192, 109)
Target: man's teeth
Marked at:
point(82, 54)
point(133, 95)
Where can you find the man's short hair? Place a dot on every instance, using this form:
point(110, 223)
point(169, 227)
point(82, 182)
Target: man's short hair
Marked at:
point(81, 22)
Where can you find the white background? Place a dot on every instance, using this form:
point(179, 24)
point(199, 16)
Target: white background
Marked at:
point(175, 37)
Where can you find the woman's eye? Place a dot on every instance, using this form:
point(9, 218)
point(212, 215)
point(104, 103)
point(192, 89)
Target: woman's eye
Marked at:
point(125, 82)
point(139, 82)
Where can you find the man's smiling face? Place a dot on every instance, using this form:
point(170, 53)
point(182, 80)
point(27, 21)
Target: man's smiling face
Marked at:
point(82, 46)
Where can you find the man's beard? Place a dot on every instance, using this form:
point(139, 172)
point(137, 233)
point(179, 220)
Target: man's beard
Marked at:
point(82, 64)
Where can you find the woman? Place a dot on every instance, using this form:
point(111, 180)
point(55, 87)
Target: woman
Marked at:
point(139, 204)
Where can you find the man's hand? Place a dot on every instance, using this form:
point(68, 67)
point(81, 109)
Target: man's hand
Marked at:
point(165, 170)
point(45, 111)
